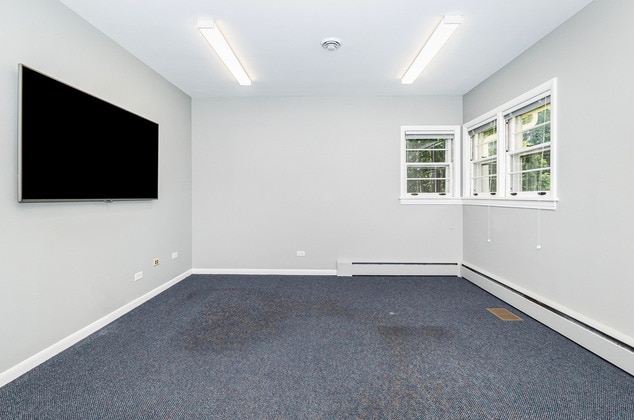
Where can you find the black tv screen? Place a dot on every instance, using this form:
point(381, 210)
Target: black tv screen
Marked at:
point(76, 147)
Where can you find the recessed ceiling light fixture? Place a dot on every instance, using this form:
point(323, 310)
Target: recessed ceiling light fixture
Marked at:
point(212, 34)
point(331, 44)
point(435, 42)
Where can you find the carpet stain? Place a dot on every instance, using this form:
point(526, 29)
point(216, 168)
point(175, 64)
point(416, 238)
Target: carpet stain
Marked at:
point(246, 317)
point(396, 390)
point(231, 327)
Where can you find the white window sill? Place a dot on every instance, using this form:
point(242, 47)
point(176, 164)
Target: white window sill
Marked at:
point(519, 203)
point(430, 200)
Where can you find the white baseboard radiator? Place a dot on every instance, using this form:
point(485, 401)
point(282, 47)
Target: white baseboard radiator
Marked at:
point(348, 267)
point(596, 338)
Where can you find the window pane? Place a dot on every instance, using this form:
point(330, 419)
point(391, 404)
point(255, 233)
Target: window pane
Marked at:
point(532, 128)
point(486, 143)
point(485, 177)
point(493, 186)
point(531, 172)
point(537, 160)
point(426, 156)
point(485, 185)
point(432, 172)
point(535, 136)
point(426, 150)
point(427, 186)
point(427, 179)
point(484, 154)
point(532, 181)
point(420, 144)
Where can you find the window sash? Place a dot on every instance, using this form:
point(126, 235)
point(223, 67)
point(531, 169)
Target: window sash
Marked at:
point(438, 183)
point(526, 176)
point(484, 147)
point(424, 149)
point(528, 143)
point(427, 160)
point(484, 155)
point(531, 181)
point(537, 133)
point(524, 167)
point(428, 169)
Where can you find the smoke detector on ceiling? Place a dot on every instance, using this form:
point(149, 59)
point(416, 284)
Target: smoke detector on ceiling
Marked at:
point(331, 44)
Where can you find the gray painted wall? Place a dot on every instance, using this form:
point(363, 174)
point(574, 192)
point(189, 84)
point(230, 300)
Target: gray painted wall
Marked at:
point(588, 242)
point(272, 176)
point(65, 265)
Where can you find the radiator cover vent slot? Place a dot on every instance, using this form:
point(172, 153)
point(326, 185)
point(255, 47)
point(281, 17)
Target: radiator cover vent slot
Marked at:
point(348, 267)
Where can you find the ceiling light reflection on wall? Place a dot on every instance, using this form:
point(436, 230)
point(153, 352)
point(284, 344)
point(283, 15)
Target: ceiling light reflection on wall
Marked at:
point(212, 34)
point(441, 34)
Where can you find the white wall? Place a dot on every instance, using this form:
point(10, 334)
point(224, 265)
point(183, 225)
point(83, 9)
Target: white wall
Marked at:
point(275, 175)
point(270, 176)
point(66, 265)
point(588, 242)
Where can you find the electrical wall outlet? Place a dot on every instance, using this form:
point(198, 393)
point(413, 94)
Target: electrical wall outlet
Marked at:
point(138, 276)
point(174, 255)
point(155, 262)
point(301, 253)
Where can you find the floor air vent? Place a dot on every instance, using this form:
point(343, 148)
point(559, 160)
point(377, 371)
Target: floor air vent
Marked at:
point(504, 314)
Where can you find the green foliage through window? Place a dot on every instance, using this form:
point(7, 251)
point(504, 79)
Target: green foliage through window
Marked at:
point(427, 169)
point(532, 168)
point(512, 151)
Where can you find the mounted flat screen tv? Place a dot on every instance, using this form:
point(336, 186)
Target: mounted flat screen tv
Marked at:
point(73, 146)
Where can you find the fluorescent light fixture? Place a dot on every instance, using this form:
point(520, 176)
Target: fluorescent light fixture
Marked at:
point(441, 34)
point(212, 34)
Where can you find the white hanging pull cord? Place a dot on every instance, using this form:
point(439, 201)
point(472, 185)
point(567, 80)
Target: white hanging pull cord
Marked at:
point(539, 229)
point(451, 217)
point(489, 221)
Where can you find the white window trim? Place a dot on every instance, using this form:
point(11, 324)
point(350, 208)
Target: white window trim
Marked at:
point(473, 160)
point(519, 203)
point(454, 197)
point(502, 198)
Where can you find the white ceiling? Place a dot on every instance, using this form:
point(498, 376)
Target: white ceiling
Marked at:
point(278, 42)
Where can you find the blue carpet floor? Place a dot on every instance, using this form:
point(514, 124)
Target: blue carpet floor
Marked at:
point(271, 347)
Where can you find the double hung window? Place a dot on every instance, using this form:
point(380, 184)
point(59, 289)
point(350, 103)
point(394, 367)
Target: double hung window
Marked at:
point(484, 153)
point(512, 148)
point(529, 134)
point(428, 167)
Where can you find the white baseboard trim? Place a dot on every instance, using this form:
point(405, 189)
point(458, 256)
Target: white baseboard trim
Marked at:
point(39, 358)
point(347, 268)
point(265, 271)
point(598, 340)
